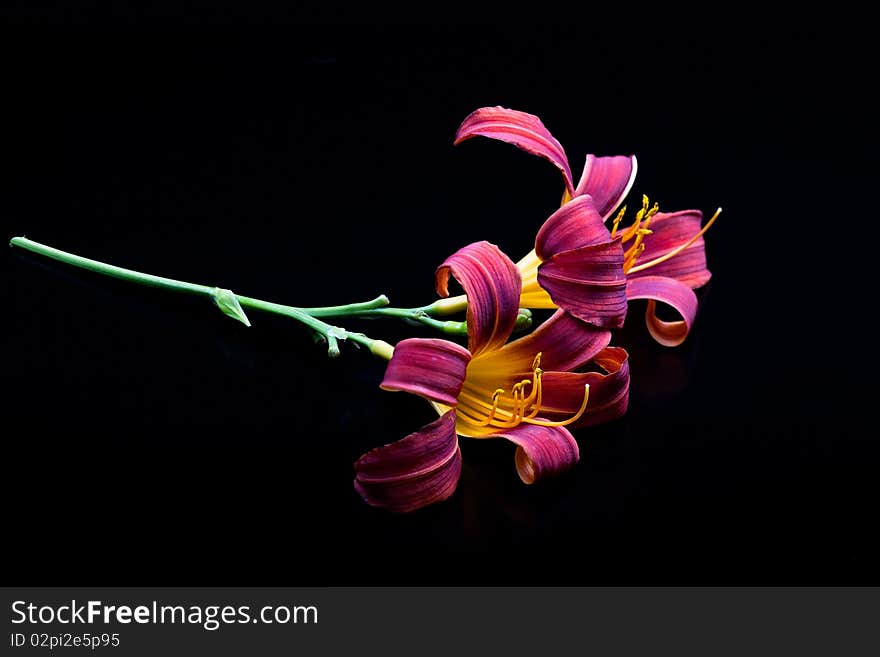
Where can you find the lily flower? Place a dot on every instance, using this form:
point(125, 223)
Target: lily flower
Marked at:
point(664, 253)
point(526, 391)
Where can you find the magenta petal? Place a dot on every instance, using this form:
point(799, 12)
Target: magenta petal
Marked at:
point(418, 470)
point(575, 224)
point(563, 392)
point(492, 284)
point(428, 367)
point(542, 452)
point(669, 231)
point(669, 291)
point(563, 341)
point(608, 180)
point(588, 282)
point(520, 129)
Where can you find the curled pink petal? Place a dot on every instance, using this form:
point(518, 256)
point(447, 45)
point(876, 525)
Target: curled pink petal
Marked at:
point(432, 368)
point(563, 392)
point(418, 470)
point(669, 231)
point(575, 224)
point(669, 291)
point(520, 129)
point(542, 452)
point(608, 180)
point(588, 282)
point(563, 341)
point(492, 284)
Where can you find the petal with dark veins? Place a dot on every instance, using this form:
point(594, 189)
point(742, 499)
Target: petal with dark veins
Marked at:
point(574, 225)
point(668, 232)
point(588, 282)
point(564, 342)
point(416, 471)
point(563, 392)
point(492, 284)
point(608, 180)
point(428, 367)
point(542, 452)
point(521, 129)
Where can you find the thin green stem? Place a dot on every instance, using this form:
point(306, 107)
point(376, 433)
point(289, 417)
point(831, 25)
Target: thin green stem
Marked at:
point(224, 299)
point(233, 304)
point(348, 309)
point(419, 315)
point(422, 315)
point(110, 270)
point(378, 307)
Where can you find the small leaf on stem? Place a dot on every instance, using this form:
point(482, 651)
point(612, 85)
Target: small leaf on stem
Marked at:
point(227, 302)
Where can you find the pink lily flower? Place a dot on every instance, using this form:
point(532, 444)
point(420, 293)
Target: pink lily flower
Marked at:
point(664, 262)
point(526, 391)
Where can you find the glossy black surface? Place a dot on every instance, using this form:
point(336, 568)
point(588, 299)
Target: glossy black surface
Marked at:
point(150, 440)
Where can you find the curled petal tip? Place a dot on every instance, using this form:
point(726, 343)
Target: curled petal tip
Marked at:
point(542, 452)
point(673, 293)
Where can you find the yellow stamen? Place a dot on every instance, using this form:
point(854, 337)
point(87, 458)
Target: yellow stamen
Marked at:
point(538, 390)
point(631, 255)
point(640, 235)
point(516, 413)
point(510, 410)
point(642, 220)
point(495, 397)
point(617, 221)
point(629, 232)
point(676, 250)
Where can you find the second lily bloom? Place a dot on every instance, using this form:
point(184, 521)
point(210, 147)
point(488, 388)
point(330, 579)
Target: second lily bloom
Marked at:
point(663, 254)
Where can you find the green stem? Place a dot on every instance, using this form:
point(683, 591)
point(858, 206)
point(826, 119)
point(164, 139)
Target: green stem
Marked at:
point(110, 270)
point(227, 301)
point(423, 315)
point(332, 334)
point(348, 309)
point(415, 315)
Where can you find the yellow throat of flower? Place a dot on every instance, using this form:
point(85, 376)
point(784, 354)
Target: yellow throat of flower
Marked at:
point(482, 412)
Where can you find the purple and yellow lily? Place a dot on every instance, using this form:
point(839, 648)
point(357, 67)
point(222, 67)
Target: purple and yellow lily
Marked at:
point(664, 255)
point(526, 391)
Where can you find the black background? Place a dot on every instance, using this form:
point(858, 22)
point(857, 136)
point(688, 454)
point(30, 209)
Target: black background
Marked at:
point(149, 440)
